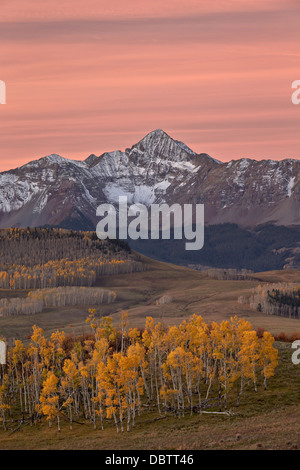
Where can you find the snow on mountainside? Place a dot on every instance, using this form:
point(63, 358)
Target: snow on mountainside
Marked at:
point(157, 169)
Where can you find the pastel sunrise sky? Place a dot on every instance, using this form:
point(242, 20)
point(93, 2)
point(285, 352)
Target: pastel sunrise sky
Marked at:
point(92, 76)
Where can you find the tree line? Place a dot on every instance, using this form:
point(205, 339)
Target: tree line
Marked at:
point(65, 272)
point(37, 300)
point(225, 274)
point(34, 246)
point(281, 299)
point(36, 258)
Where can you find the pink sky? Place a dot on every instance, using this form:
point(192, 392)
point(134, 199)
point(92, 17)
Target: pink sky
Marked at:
point(92, 76)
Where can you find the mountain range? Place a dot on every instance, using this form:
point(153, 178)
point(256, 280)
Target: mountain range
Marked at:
point(60, 192)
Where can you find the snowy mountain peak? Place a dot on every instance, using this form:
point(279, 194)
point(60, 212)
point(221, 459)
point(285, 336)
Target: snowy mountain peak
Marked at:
point(153, 138)
point(157, 134)
point(155, 170)
point(54, 158)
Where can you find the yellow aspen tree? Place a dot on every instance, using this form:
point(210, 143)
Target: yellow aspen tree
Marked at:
point(268, 356)
point(49, 399)
point(18, 360)
point(4, 406)
point(114, 400)
point(131, 381)
point(69, 383)
point(37, 347)
point(107, 330)
point(199, 345)
point(85, 380)
point(227, 371)
point(249, 356)
point(134, 335)
point(100, 351)
point(140, 349)
point(180, 364)
point(123, 325)
point(240, 326)
point(102, 380)
point(147, 341)
point(57, 342)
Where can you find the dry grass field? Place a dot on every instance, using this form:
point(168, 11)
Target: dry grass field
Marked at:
point(192, 292)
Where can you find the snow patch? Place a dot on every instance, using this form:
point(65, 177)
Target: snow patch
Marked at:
point(163, 185)
point(187, 166)
point(142, 194)
point(41, 203)
point(290, 186)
